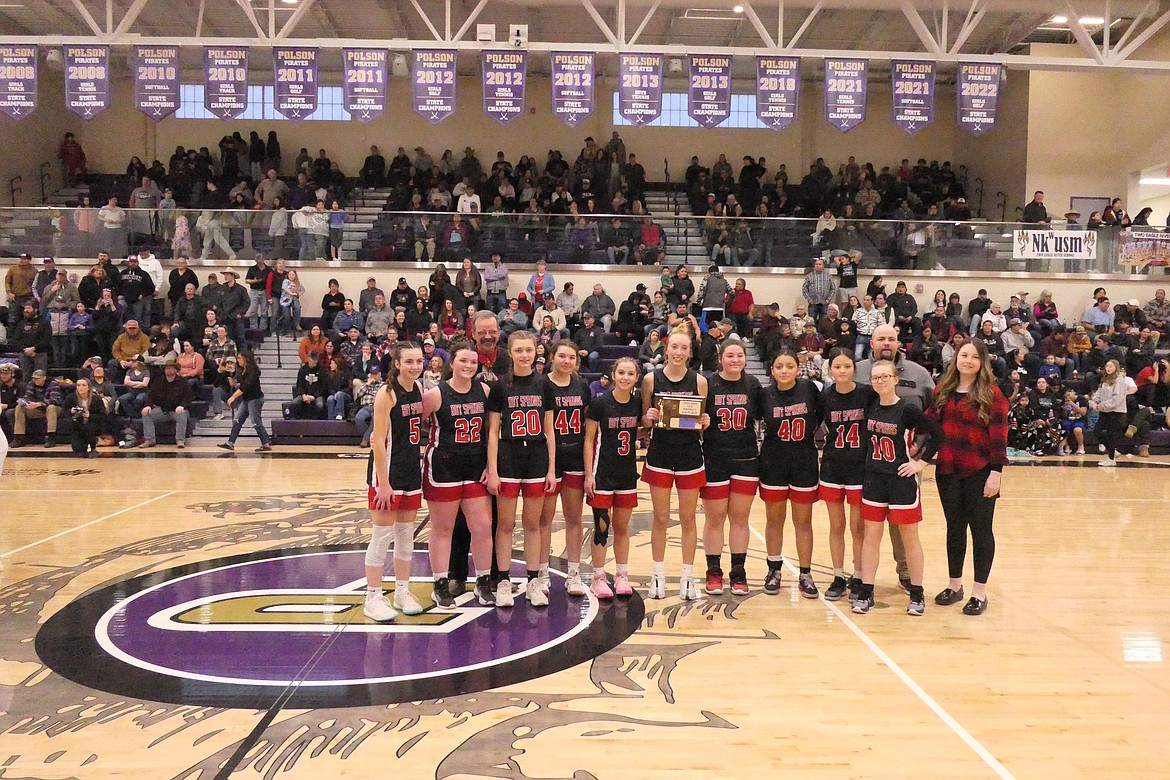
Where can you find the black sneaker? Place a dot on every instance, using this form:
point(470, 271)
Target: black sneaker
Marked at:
point(772, 582)
point(441, 595)
point(808, 588)
point(854, 588)
point(916, 607)
point(862, 604)
point(837, 589)
point(739, 583)
point(484, 593)
point(457, 586)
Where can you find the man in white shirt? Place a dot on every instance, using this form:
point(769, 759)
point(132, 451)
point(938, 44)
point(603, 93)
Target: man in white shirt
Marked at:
point(467, 200)
point(149, 263)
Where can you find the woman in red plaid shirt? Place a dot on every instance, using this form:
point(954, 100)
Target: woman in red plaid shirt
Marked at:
point(973, 413)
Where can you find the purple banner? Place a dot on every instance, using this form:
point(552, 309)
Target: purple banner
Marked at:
point(845, 90)
point(87, 79)
point(365, 82)
point(709, 91)
point(978, 86)
point(225, 70)
point(156, 80)
point(640, 91)
point(777, 90)
point(572, 86)
point(913, 86)
point(433, 74)
point(18, 80)
point(504, 76)
point(294, 71)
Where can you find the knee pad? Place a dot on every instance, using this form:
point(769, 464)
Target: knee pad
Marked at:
point(379, 545)
point(403, 541)
point(600, 527)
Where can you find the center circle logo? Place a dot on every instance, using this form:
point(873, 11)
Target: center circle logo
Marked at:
point(237, 631)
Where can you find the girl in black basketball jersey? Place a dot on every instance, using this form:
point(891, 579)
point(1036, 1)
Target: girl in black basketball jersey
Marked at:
point(674, 458)
point(732, 464)
point(394, 476)
point(842, 465)
point(570, 396)
point(454, 473)
point(611, 474)
point(890, 490)
point(791, 411)
point(521, 460)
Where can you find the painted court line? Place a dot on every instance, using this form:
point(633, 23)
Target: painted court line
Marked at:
point(59, 534)
point(1000, 770)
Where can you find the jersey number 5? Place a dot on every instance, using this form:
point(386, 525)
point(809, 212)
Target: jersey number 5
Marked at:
point(415, 430)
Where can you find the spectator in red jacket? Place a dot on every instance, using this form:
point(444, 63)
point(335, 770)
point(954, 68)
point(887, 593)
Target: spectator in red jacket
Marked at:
point(739, 308)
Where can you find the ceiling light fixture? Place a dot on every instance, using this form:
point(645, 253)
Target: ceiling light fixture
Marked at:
point(738, 9)
point(1091, 21)
point(1059, 20)
point(1159, 181)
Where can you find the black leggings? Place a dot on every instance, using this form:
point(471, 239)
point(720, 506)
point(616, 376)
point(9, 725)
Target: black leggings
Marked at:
point(964, 506)
point(1110, 430)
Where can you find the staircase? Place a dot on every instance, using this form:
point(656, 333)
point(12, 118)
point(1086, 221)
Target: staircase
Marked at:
point(367, 204)
point(276, 382)
point(755, 366)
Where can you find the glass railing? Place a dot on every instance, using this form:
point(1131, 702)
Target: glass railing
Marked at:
point(368, 234)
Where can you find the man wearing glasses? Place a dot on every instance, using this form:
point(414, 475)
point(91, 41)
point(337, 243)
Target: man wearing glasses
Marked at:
point(915, 387)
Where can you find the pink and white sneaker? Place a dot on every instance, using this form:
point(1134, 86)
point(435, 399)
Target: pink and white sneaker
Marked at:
point(600, 587)
point(621, 584)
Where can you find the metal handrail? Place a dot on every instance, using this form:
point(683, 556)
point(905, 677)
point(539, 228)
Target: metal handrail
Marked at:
point(14, 187)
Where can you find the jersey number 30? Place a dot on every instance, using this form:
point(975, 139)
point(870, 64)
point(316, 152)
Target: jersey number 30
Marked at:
point(731, 418)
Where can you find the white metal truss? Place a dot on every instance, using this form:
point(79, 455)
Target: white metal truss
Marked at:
point(612, 31)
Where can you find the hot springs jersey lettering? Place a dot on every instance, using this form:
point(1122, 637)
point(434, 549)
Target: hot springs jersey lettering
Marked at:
point(669, 438)
point(732, 406)
point(615, 454)
point(461, 421)
point(845, 430)
point(521, 404)
point(568, 404)
point(888, 432)
point(402, 441)
point(791, 417)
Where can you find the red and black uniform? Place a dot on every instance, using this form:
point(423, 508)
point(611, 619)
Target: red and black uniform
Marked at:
point(843, 458)
point(730, 451)
point(889, 430)
point(522, 462)
point(615, 464)
point(402, 441)
point(788, 459)
point(569, 404)
point(674, 456)
point(457, 455)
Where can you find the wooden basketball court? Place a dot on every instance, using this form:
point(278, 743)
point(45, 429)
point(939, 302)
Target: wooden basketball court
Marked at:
point(1062, 677)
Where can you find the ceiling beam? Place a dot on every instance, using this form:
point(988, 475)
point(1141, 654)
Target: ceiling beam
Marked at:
point(1082, 35)
point(919, 27)
point(800, 31)
point(470, 20)
point(426, 20)
point(601, 25)
point(1133, 25)
point(324, 18)
point(246, 7)
point(762, 31)
point(642, 26)
point(88, 17)
point(131, 16)
point(974, 16)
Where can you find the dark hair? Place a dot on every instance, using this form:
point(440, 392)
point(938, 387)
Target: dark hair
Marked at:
point(395, 356)
point(842, 352)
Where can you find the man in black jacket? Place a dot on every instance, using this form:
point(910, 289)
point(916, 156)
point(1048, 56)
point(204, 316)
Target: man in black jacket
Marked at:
point(31, 337)
point(169, 397)
point(233, 306)
point(589, 340)
point(1035, 211)
point(310, 391)
point(137, 288)
point(190, 317)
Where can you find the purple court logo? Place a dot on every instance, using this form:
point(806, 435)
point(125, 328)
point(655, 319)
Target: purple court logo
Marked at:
point(238, 631)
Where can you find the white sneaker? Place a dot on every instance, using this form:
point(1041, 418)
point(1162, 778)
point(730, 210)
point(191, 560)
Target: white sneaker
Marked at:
point(574, 585)
point(545, 581)
point(1107, 463)
point(1080, 450)
point(687, 590)
point(534, 593)
point(657, 589)
point(377, 608)
point(504, 594)
point(406, 603)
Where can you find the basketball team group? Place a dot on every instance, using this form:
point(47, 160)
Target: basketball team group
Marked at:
point(507, 440)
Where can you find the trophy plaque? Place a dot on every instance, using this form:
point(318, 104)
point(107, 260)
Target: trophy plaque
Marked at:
point(679, 412)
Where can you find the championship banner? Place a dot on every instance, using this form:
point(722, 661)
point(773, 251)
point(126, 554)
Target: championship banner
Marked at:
point(365, 82)
point(433, 75)
point(1055, 245)
point(709, 93)
point(18, 80)
point(294, 71)
point(572, 86)
point(87, 79)
point(640, 91)
point(913, 86)
point(1139, 249)
point(225, 73)
point(156, 80)
point(845, 92)
point(777, 90)
point(978, 86)
point(504, 77)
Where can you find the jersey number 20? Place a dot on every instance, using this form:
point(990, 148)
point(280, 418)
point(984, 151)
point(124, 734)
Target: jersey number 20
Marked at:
point(525, 423)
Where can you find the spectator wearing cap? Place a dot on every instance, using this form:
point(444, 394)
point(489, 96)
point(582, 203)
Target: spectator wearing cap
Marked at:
point(549, 309)
point(137, 287)
point(600, 386)
point(41, 399)
point(212, 292)
point(402, 296)
point(18, 286)
point(233, 306)
point(589, 341)
point(905, 312)
point(1129, 315)
point(366, 298)
point(1017, 338)
point(167, 399)
point(1097, 316)
point(364, 416)
point(431, 350)
point(495, 278)
point(46, 276)
point(32, 338)
point(137, 382)
point(309, 392)
point(650, 244)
